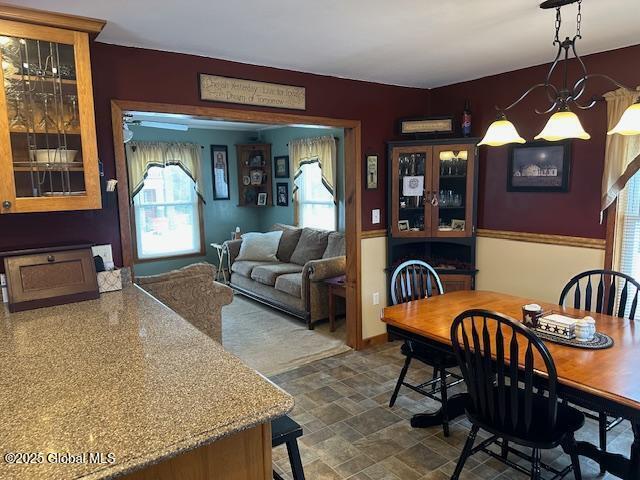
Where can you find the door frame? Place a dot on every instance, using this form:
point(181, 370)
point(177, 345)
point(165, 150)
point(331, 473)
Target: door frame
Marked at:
point(352, 187)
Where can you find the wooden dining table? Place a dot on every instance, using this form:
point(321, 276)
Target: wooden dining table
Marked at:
point(601, 380)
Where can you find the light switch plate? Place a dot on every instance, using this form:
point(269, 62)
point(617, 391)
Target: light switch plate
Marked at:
point(375, 215)
point(376, 298)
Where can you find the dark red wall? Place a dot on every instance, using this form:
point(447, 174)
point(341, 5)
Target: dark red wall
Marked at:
point(574, 213)
point(153, 76)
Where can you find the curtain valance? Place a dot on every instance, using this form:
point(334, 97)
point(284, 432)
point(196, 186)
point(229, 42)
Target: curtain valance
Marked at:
point(141, 156)
point(622, 153)
point(317, 149)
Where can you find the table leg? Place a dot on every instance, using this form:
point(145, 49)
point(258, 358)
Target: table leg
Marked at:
point(618, 465)
point(455, 408)
point(332, 310)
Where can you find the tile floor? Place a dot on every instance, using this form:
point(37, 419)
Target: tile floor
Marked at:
point(351, 433)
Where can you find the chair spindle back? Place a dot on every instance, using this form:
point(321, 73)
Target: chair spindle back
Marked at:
point(603, 291)
point(414, 280)
point(489, 347)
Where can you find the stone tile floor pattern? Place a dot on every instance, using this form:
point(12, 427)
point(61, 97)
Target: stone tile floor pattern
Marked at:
point(351, 433)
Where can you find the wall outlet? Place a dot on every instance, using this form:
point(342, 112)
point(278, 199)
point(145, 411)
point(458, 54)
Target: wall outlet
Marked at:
point(375, 215)
point(376, 298)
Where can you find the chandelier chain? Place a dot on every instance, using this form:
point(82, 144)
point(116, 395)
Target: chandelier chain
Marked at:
point(579, 19)
point(556, 40)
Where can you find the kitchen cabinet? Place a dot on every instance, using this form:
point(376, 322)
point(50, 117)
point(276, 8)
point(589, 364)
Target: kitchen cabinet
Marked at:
point(433, 204)
point(48, 150)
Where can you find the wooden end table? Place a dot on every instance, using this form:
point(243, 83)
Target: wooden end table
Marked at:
point(336, 289)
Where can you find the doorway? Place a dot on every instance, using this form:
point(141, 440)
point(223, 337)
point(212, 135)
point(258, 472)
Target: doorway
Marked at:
point(352, 184)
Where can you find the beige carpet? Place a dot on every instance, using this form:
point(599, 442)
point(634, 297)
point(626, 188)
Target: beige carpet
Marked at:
point(273, 342)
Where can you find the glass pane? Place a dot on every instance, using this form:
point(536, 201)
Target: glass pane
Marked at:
point(44, 123)
point(453, 185)
point(411, 178)
point(166, 230)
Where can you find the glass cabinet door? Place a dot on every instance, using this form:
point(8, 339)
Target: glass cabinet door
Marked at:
point(411, 185)
point(50, 142)
point(453, 172)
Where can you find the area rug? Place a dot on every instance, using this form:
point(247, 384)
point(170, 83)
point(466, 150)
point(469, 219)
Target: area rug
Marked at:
point(273, 342)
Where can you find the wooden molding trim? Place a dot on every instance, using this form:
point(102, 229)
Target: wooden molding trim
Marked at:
point(376, 340)
point(583, 242)
point(353, 180)
point(51, 19)
point(373, 233)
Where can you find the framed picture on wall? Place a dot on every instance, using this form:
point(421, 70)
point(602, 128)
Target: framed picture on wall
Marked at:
point(282, 194)
point(262, 199)
point(282, 166)
point(220, 172)
point(539, 167)
point(372, 172)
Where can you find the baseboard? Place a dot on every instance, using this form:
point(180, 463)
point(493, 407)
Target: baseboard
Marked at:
point(373, 341)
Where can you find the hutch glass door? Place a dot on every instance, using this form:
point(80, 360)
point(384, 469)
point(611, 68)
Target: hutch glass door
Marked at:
point(411, 171)
point(453, 190)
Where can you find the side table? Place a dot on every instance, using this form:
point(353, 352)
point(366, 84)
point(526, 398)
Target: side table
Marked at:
point(222, 251)
point(336, 289)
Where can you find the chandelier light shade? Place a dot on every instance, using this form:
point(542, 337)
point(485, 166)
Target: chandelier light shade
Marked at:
point(629, 123)
point(501, 132)
point(563, 123)
point(561, 126)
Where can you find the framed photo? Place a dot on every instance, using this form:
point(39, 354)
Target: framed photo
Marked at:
point(282, 194)
point(539, 167)
point(458, 225)
point(220, 172)
point(372, 172)
point(262, 199)
point(403, 225)
point(282, 166)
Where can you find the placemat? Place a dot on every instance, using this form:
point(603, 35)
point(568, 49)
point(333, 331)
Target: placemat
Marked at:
point(599, 341)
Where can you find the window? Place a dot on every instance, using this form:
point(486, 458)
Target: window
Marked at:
point(167, 215)
point(315, 203)
point(629, 228)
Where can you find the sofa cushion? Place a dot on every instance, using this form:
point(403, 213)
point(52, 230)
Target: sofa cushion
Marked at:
point(311, 245)
point(245, 267)
point(267, 274)
point(335, 245)
point(260, 247)
point(288, 241)
point(290, 283)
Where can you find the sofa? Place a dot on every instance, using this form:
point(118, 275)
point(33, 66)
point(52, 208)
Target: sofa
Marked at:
point(193, 294)
point(294, 283)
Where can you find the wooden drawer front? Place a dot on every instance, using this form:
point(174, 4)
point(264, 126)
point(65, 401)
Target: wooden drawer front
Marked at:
point(455, 283)
point(50, 279)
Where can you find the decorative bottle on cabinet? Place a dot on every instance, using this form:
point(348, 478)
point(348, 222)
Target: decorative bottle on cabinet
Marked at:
point(466, 120)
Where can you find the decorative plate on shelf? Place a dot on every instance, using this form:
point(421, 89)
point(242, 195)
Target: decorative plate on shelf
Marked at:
point(246, 180)
point(250, 196)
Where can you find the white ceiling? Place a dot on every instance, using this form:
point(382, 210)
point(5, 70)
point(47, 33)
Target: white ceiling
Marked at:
point(421, 43)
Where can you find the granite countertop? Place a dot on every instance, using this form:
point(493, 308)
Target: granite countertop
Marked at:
point(121, 375)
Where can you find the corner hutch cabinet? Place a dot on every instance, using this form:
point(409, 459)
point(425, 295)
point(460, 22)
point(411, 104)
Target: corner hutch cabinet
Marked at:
point(48, 151)
point(432, 204)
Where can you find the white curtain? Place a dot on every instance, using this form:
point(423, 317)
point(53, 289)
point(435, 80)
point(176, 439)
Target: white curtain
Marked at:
point(622, 153)
point(318, 149)
point(141, 156)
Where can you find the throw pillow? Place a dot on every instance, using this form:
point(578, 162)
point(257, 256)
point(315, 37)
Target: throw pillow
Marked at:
point(259, 247)
point(311, 246)
point(288, 242)
point(335, 246)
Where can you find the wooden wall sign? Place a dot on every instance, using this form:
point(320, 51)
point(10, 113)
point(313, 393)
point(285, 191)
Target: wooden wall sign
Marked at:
point(248, 92)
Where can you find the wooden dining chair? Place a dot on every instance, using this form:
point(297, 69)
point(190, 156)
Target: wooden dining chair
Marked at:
point(415, 280)
point(507, 401)
point(609, 292)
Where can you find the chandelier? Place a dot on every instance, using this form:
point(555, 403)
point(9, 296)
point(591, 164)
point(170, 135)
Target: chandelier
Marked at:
point(563, 123)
